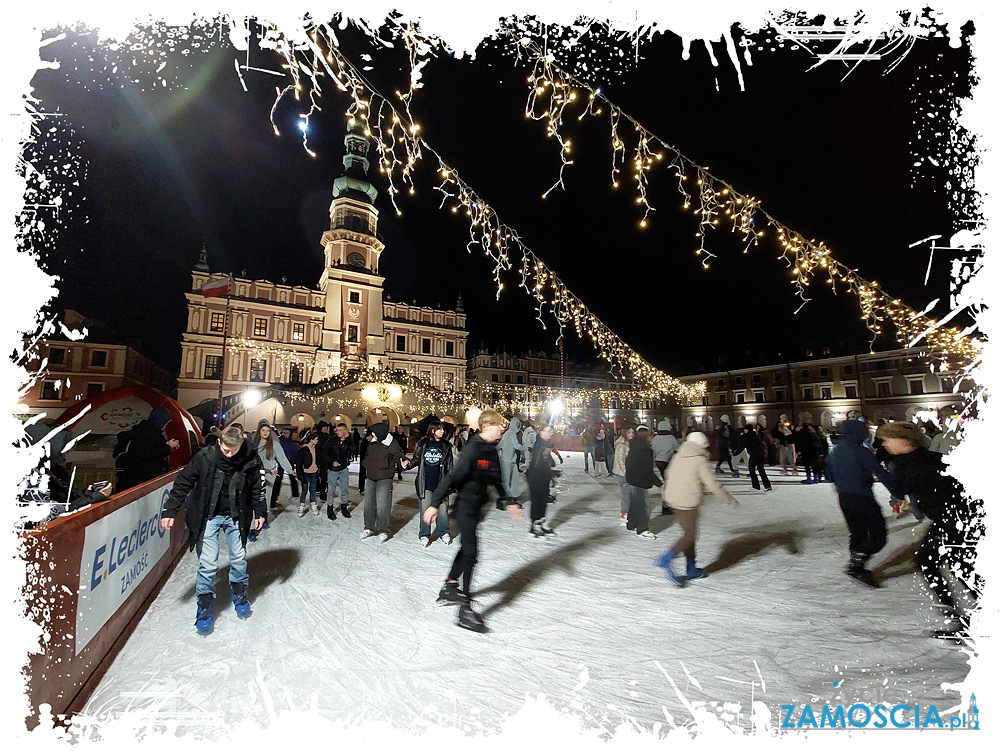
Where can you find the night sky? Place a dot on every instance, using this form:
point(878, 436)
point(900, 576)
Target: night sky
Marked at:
point(838, 159)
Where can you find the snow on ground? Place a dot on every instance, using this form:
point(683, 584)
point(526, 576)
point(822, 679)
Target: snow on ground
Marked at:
point(351, 627)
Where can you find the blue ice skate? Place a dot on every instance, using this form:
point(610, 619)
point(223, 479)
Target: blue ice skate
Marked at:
point(664, 562)
point(240, 600)
point(205, 617)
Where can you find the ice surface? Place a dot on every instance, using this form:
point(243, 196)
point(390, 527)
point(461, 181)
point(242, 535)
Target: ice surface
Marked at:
point(350, 628)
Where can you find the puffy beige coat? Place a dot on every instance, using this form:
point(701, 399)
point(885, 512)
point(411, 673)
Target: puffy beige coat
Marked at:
point(688, 474)
point(621, 454)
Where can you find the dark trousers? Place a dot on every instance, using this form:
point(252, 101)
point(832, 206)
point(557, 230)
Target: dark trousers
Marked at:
point(609, 462)
point(727, 457)
point(362, 475)
point(277, 486)
point(321, 481)
point(756, 467)
point(468, 554)
point(662, 466)
point(945, 547)
point(538, 492)
point(865, 523)
point(638, 512)
point(688, 519)
point(818, 465)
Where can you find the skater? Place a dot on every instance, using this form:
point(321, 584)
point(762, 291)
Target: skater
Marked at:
point(821, 450)
point(755, 465)
point(382, 461)
point(600, 465)
point(400, 437)
point(640, 477)
point(291, 449)
point(621, 456)
point(477, 468)
point(782, 433)
point(307, 470)
point(362, 475)
point(528, 437)
point(687, 477)
point(508, 448)
point(804, 447)
point(956, 521)
point(587, 442)
point(609, 449)
point(222, 491)
point(540, 474)
point(145, 451)
point(272, 456)
point(851, 468)
point(665, 445)
point(433, 457)
point(338, 458)
point(724, 443)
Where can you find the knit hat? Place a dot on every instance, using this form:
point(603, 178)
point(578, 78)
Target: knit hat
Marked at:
point(381, 430)
point(906, 430)
point(158, 417)
point(664, 426)
point(699, 439)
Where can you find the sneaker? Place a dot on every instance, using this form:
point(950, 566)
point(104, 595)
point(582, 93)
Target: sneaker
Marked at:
point(450, 594)
point(204, 619)
point(240, 600)
point(345, 510)
point(367, 533)
point(384, 536)
point(425, 542)
point(647, 535)
point(470, 619)
point(330, 513)
point(314, 508)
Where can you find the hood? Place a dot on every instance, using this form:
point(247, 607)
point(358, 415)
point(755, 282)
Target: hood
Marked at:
point(663, 426)
point(515, 425)
point(854, 431)
point(158, 417)
point(381, 430)
point(691, 448)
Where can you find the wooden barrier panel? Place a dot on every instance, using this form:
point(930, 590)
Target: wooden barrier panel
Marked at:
point(91, 575)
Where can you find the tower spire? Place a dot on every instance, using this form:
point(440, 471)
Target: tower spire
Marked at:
point(354, 182)
point(202, 264)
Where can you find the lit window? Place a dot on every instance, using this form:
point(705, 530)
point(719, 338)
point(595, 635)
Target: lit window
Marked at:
point(213, 367)
point(217, 322)
point(260, 327)
point(826, 392)
point(298, 332)
point(258, 370)
point(352, 333)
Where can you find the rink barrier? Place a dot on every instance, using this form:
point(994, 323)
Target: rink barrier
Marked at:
point(79, 567)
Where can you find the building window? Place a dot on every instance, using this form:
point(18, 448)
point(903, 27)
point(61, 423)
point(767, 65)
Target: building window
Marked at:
point(807, 393)
point(260, 327)
point(94, 388)
point(741, 398)
point(258, 370)
point(778, 377)
point(917, 386)
point(449, 349)
point(506, 377)
point(826, 350)
point(848, 369)
point(495, 378)
point(948, 385)
point(354, 296)
point(213, 367)
point(883, 388)
point(298, 332)
point(723, 399)
point(51, 390)
point(758, 396)
point(615, 404)
point(851, 392)
point(520, 379)
point(739, 380)
point(805, 372)
point(755, 378)
point(779, 395)
point(217, 322)
point(825, 392)
point(295, 373)
point(57, 356)
point(425, 346)
point(824, 371)
point(99, 358)
point(704, 402)
point(352, 333)
point(401, 342)
point(722, 383)
point(534, 381)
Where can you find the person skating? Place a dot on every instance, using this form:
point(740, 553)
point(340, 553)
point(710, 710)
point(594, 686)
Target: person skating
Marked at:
point(433, 457)
point(477, 469)
point(600, 465)
point(337, 458)
point(587, 442)
point(539, 475)
point(640, 477)
point(222, 491)
point(323, 437)
point(956, 521)
point(291, 448)
point(853, 468)
point(755, 464)
point(272, 457)
point(147, 452)
point(307, 470)
point(507, 449)
point(609, 449)
point(688, 475)
point(665, 445)
point(382, 461)
point(782, 433)
point(724, 443)
point(621, 456)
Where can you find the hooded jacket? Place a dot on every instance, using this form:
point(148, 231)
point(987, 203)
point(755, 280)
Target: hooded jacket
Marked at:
point(146, 455)
point(921, 475)
point(639, 464)
point(664, 447)
point(383, 454)
point(476, 469)
point(852, 465)
point(508, 444)
point(447, 460)
point(621, 455)
point(688, 474)
point(203, 478)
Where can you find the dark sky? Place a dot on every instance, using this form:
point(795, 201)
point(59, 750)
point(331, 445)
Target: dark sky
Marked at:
point(170, 168)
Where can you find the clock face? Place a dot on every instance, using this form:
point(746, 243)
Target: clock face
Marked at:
point(356, 259)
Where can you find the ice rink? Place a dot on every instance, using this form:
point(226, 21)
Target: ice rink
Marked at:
point(349, 630)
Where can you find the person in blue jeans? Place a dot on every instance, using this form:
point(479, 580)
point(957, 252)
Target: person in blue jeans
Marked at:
point(339, 450)
point(307, 470)
point(222, 490)
point(433, 458)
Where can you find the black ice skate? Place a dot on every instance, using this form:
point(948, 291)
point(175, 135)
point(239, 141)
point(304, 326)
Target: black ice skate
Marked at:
point(450, 594)
point(470, 619)
point(857, 571)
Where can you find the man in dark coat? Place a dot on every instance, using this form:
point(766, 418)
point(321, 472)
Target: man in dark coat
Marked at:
point(640, 477)
point(222, 490)
point(323, 429)
point(145, 457)
point(755, 463)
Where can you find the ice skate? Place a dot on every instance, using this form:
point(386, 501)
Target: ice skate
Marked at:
point(330, 513)
point(425, 542)
point(302, 510)
point(664, 562)
point(450, 594)
point(345, 510)
point(240, 600)
point(204, 619)
point(856, 570)
point(646, 535)
point(693, 572)
point(383, 537)
point(470, 619)
point(314, 508)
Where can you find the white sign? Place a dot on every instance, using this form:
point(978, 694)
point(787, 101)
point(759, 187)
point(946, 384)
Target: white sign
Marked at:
point(118, 551)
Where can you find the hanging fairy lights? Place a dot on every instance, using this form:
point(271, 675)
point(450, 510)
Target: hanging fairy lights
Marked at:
point(551, 91)
point(400, 145)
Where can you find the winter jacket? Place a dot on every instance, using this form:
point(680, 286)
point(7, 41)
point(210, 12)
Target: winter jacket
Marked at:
point(528, 437)
point(381, 458)
point(664, 447)
point(587, 439)
point(339, 451)
point(852, 464)
point(542, 462)
point(688, 474)
point(476, 469)
point(621, 454)
point(753, 445)
point(508, 444)
point(723, 438)
point(921, 475)
point(277, 456)
point(447, 461)
point(303, 459)
point(146, 456)
point(639, 465)
point(324, 438)
point(291, 449)
point(599, 449)
point(198, 486)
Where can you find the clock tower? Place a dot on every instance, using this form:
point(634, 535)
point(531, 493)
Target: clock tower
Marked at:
point(353, 334)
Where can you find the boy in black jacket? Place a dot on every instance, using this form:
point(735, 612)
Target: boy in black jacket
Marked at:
point(640, 477)
point(477, 468)
point(227, 495)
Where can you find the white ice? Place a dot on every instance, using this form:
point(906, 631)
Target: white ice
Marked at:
point(348, 629)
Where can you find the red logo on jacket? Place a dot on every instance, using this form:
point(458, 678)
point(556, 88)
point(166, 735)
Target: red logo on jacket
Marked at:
point(483, 463)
